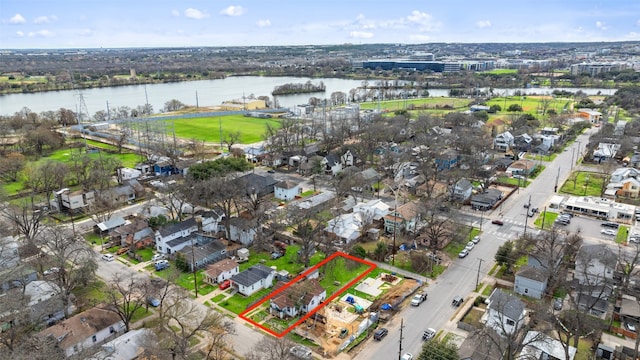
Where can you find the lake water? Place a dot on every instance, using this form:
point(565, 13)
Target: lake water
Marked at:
point(209, 93)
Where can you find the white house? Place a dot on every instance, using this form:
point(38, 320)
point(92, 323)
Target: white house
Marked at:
point(242, 230)
point(620, 174)
point(299, 298)
point(222, 270)
point(531, 281)
point(538, 345)
point(211, 220)
point(125, 174)
point(73, 201)
point(128, 346)
point(332, 164)
point(253, 279)
point(85, 330)
point(346, 227)
point(462, 190)
point(372, 210)
point(175, 237)
point(503, 141)
point(505, 312)
point(286, 190)
point(595, 267)
point(348, 158)
point(605, 151)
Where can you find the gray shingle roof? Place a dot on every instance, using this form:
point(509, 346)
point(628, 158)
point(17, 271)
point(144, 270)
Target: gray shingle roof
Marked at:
point(252, 275)
point(506, 304)
point(174, 228)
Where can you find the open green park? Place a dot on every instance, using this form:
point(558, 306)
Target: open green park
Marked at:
point(583, 183)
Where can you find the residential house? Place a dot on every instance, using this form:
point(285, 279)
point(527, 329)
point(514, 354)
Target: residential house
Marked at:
point(257, 184)
point(462, 190)
point(163, 168)
point(211, 220)
point(505, 312)
point(146, 169)
point(123, 174)
point(331, 164)
point(605, 151)
point(272, 160)
point(65, 200)
point(174, 237)
point(349, 158)
point(136, 233)
point(109, 225)
point(286, 190)
point(253, 279)
point(120, 194)
point(85, 330)
point(542, 149)
point(182, 167)
point(314, 203)
point(202, 251)
point(486, 200)
point(128, 346)
point(45, 303)
point(372, 210)
point(628, 189)
point(404, 218)
point(523, 142)
point(522, 167)
point(243, 229)
point(447, 159)
point(9, 255)
point(594, 277)
point(369, 178)
point(531, 281)
point(299, 298)
point(220, 271)
point(503, 163)
point(538, 345)
point(619, 129)
point(623, 173)
point(503, 141)
point(15, 276)
point(345, 227)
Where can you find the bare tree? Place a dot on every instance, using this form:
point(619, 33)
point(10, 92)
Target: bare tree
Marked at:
point(126, 296)
point(27, 222)
point(72, 256)
point(271, 348)
point(222, 192)
point(231, 139)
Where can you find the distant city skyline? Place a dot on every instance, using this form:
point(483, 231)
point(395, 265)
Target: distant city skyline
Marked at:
point(46, 24)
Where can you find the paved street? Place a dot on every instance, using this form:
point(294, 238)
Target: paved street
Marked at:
point(461, 276)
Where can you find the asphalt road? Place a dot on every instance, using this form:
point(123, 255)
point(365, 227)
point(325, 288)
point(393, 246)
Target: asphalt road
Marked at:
point(461, 277)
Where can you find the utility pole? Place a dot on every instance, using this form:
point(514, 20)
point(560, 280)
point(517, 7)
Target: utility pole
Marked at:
point(400, 348)
point(555, 188)
point(526, 217)
point(478, 275)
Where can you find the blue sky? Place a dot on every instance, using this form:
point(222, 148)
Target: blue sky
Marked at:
point(144, 23)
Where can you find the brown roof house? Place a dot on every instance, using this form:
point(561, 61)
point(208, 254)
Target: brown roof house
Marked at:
point(299, 298)
point(221, 271)
point(137, 233)
point(405, 217)
point(85, 330)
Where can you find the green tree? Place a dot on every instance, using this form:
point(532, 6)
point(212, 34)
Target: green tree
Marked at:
point(380, 251)
point(514, 108)
point(504, 255)
point(181, 262)
point(495, 108)
point(358, 251)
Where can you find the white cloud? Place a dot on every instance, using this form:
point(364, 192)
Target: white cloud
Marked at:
point(41, 33)
point(602, 26)
point(195, 14)
point(45, 19)
point(17, 19)
point(264, 23)
point(233, 11)
point(483, 24)
point(361, 34)
point(419, 38)
point(19, 33)
point(175, 13)
point(418, 17)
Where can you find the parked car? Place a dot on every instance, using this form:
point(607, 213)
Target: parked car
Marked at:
point(161, 265)
point(609, 232)
point(276, 255)
point(301, 352)
point(526, 206)
point(457, 301)
point(157, 257)
point(463, 253)
point(153, 301)
point(470, 246)
point(418, 299)
point(557, 304)
point(534, 210)
point(631, 327)
point(407, 356)
point(380, 334)
point(428, 334)
point(122, 250)
point(108, 257)
point(225, 284)
point(610, 224)
point(476, 239)
point(497, 222)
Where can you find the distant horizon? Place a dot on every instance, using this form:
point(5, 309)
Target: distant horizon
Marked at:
point(119, 24)
point(323, 45)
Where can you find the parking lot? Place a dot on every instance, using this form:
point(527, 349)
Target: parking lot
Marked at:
point(589, 228)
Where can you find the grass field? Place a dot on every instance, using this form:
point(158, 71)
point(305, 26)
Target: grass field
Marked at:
point(502, 71)
point(586, 184)
point(208, 128)
point(531, 104)
point(431, 102)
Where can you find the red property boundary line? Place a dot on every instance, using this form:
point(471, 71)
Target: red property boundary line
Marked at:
point(371, 265)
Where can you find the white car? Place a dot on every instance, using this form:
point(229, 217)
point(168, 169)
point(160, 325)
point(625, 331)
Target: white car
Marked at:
point(476, 239)
point(157, 257)
point(470, 246)
point(463, 253)
point(610, 232)
point(418, 299)
point(108, 257)
point(407, 356)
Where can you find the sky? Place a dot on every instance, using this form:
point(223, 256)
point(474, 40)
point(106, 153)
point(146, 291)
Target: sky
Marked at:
point(52, 24)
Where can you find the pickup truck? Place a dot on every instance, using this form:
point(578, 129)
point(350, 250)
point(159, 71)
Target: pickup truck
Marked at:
point(418, 299)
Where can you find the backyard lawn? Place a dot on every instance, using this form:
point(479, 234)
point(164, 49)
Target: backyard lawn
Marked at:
point(582, 183)
point(430, 102)
point(287, 262)
point(549, 219)
point(513, 181)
